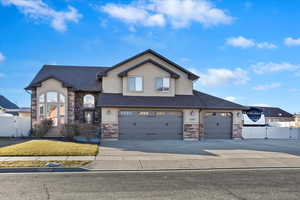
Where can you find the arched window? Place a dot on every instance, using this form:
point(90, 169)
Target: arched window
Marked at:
point(52, 105)
point(88, 101)
point(89, 105)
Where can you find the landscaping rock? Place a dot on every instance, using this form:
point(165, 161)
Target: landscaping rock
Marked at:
point(52, 164)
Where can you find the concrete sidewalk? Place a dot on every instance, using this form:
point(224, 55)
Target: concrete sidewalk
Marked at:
point(228, 163)
point(46, 158)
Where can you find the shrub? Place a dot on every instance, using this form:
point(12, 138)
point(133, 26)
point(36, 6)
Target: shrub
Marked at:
point(40, 129)
point(69, 131)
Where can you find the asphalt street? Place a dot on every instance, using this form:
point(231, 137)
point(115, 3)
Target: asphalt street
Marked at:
point(238, 184)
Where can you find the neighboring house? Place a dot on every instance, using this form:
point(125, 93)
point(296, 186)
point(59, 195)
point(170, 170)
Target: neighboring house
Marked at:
point(6, 106)
point(144, 97)
point(297, 120)
point(274, 114)
point(21, 112)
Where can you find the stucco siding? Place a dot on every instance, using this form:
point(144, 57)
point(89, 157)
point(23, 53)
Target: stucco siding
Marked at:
point(149, 73)
point(55, 86)
point(112, 83)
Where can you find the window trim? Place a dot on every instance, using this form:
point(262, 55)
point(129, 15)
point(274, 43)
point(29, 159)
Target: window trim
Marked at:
point(84, 105)
point(135, 91)
point(164, 91)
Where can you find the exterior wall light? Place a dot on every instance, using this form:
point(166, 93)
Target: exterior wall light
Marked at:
point(192, 113)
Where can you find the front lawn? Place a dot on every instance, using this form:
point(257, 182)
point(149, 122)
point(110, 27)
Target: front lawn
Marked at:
point(40, 163)
point(49, 148)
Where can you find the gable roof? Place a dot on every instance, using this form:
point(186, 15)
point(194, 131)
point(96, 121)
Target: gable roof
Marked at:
point(191, 75)
point(198, 100)
point(7, 104)
point(79, 78)
point(274, 112)
point(173, 74)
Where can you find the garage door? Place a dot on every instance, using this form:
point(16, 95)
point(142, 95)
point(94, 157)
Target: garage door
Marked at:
point(217, 126)
point(150, 125)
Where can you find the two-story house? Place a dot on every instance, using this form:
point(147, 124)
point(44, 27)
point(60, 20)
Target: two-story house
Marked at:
point(144, 97)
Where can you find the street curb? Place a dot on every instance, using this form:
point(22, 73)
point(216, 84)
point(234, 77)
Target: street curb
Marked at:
point(33, 169)
point(41, 170)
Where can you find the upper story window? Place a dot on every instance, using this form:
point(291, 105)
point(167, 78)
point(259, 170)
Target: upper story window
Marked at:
point(89, 101)
point(163, 84)
point(135, 84)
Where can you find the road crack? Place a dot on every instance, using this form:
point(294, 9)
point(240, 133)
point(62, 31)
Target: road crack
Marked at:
point(46, 191)
point(141, 164)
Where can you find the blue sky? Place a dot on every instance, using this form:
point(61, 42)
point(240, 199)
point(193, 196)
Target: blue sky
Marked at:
point(245, 51)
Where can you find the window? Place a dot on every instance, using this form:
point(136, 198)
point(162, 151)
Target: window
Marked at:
point(52, 105)
point(88, 101)
point(163, 84)
point(135, 84)
point(89, 116)
point(52, 97)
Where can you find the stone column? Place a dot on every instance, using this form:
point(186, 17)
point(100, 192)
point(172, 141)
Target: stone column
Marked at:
point(71, 106)
point(191, 126)
point(237, 131)
point(109, 124)
point(110, 131)
point(237, 126)
point(191, 131)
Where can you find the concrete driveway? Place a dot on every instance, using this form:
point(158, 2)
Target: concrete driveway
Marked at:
point(194, 154)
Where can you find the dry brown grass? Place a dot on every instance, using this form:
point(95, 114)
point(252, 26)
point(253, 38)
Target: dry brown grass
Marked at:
point(49, 148)
point(39, 163)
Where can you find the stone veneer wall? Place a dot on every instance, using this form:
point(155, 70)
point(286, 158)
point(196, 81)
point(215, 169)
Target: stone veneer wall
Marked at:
point(191, 131)
point(79, 109)
point(71, 106)
point(237, 131)
point(110, 131)
point(201, 131)
point(33, 107)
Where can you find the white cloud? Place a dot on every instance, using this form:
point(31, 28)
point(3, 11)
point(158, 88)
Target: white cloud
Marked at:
point(293, 90)
point(291, 41)
point(2, 57)
point(232, 99)
point(215, 77)
point(179, 13)
point(133, 15)
point(243, 42)
point(269, 67)
point(267, 86)
point(266, 45)
point(38, 10)
point(240, 42)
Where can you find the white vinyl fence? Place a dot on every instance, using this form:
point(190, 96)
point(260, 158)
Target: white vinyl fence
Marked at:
point(14, 126)
point(271, 133)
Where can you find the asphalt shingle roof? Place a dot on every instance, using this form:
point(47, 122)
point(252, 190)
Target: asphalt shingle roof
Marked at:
point(80, 78)
point(198, 100)
point(191, 75)
point(275, 112)
point(7, 104)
